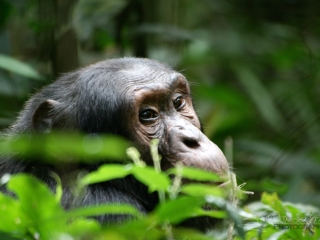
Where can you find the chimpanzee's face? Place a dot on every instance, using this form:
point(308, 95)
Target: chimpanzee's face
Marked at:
point(161, 107)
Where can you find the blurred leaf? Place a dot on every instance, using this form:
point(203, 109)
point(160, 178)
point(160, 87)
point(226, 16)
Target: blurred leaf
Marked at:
point(302, 208)
point(277, 235)
point(218, 214)
point(15, 66)
point(195, 174)
point(261, 97)
point(106, 173)
point(146, 175)
point(273, 201)
point(278, 220)
point(142, 229)
point(154, 180)
point(109, 234)
point(66, 146)
point(287, 56)
point(104, 209)
point(91, 15)
point(266, 184)
point(35, 197)
point(79, 227)
point(189, 234)
point(59, 190)
point(38, 203)
point(182, 207)
point(201, 190)
point(13, 219)
point(222, 108)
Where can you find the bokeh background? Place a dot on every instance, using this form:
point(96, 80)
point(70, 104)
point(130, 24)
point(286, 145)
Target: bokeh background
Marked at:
point(253, 65)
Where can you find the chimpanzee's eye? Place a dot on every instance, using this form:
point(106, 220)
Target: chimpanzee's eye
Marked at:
point(148, 115)
point(179, 102)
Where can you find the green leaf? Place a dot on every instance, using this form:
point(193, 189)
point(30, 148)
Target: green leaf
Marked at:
point(107, 172)
point(195, 174)
point(213, 213)
point(146, 175)
point(273, 201)
point(84, 146)
point(10, 64)
point(179, 209)
point(187, 233)
point(137, 229)
point(39, 204)
point(104, 209)
point(102, 146)
point(277, 235)
point(12, 217)
point(154, 180)
point(57, 146)
point(59, 190)
point(82, 227)
point(201, 190)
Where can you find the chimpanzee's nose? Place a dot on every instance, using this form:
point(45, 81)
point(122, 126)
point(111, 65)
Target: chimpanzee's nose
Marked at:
point(191, 143)
point(189, 146)
point(185, 138)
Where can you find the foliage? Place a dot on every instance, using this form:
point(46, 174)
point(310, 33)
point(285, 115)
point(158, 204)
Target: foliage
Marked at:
point(273, 219)
point(35, 211)
point(53, 147)
point(13, 65)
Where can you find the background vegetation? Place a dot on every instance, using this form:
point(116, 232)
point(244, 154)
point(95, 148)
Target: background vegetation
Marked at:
point(253, 65)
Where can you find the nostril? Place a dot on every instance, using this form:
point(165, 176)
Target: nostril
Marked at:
point(191, 143)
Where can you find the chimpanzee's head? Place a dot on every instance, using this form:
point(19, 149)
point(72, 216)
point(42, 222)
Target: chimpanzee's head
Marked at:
point(139, 99)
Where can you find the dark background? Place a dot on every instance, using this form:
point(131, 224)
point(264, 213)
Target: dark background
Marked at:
point(253, 66)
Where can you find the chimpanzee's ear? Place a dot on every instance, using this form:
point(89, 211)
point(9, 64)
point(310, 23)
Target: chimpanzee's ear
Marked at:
point(42, 120)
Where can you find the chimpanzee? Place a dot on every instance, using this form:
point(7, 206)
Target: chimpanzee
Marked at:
point(138, 99)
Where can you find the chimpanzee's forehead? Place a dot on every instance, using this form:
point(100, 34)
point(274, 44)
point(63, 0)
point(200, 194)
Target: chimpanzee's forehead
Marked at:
point(141, 74)
point(164, 83)
point(160, 85)
point(159, 91)
point(146, 75)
